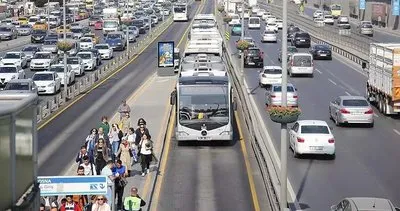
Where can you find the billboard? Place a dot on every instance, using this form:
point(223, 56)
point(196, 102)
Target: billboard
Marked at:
point(378, 10)
point(166, 54)
point(395, 7)
point(362, 4)
point(72, 185)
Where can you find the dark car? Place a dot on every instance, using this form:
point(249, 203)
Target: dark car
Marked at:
point(254, 56)
point(301, 39)
point(38, 36)
point(140, 25)
point(321, 52)
point(291, 31)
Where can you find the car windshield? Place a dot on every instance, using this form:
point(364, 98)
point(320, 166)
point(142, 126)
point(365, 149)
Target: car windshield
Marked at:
point(30, 48)
point(237, 25)
point(113, 36)
point(39, 32)
point(76, 30)
point(84, 55)
point(302, 61)
point(50, 42)
point(33, 19)
point(314, 129)
point(58, 69)
point(94, 18)
point(42, 56)
point(303, 35)
point(279, 88)
point(17, 86)
point(110, 24)
point(355, 103)
point(8, 70)
point(321, 47)
point(86, 40)
point(43, 77)
point(101, 47)
point(273, 71)
point(336, 7)
point(12, 56)
point(25, 26)
point(5, 29)
point(72, 61)
point(328, 16)
point(254, 51)
point(366, 25)
point(254, 21)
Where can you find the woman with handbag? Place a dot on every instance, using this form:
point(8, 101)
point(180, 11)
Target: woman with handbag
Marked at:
point(125, 154)
point(145, 149)
point(120, 173)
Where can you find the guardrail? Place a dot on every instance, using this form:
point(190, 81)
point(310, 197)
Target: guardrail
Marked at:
point(85, 83)
point(269, 167)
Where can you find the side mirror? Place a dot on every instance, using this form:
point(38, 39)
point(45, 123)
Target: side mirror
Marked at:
point(172, 99)
point(364, 65)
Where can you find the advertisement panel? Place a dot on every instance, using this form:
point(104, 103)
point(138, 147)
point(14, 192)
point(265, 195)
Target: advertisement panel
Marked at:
point(362, 4)
point(395, 7)
point(166, 54)
point(378, 10)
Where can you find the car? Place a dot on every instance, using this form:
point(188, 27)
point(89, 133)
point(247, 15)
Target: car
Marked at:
point(50, 46)
point(14, 58)
point(291, 31)
point(30, 51)
point(88, 59)
point(116, 40)
point(47, 82)
point(279, 23)
point(301, 39)
point(8, 32)
point(255, 9)
point(260, 12)
point(366, 28)
point(20, 86)
point(154, 19)
point(320, 51)
point(318, 14)
point(32, 20)
point(95, 38)
point(96, 54)
point(254, 23)
point(319, 22)
point(42, 61)
point(9, 72)
point(78, 32)
point(59, 70)
point(131, 36)
point(269, 36)
point(364, 203)
point(165, 12)
point(134, 29)
point(93, 19)
point(140, 25)
point(98, 25)
point(328, 19)
point(105, 50)
point(343, 22)
point(301, 64)
point(236, 30)
point(253, 56)
point(312, 137)
point(351, 110)
point(235, 20)
point(270, 75)
point(290, 50)
point(246, 14)
point(38, 36)
point(76, 64)
point(271, 27)
point(270, 19)
point(86, 43)
point(273, 97)
point(24, 30)
point(266, 15)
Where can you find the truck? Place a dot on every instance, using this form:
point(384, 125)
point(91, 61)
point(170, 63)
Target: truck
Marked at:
point(383, 85)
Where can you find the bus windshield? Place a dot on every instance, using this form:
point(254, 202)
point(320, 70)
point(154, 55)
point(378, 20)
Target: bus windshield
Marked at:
point(336, 7)
point(180, 9)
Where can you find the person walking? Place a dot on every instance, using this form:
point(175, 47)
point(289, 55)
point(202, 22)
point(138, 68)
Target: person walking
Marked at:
point(104, 136)
point(140, 131)
point(131, 140)
point(120, 173)
point(145, 148)
point(125, 124)
point(49, 202)
point(114, 136)
point(133, 202)
point(108, 172)
point(70, 205)
point(101, 204)
point(101, 155)
point(123, 110)
point(124, 154)
point(82, 153)
point(90, 168)
point(89, 205)
point(104, 124)
point(90, 142)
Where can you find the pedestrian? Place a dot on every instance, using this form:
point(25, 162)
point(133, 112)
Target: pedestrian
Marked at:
point(124, 153)
point(70, 205)
point(114, 135)
point(142, 129)
point(80, 171)
point(108, 172)
point(101, 204)
point(82, 153)
point(120, 173)
point(133, 202)
point(123, 110)
point(101, 155)
point(104, 136)
point(49, 202)
point(131, 140)
point(89, 205)
point(379, 21)
point(104, 124)
point(90, 142)
point(42, 207)
point(145, 149)
point(125, 124)
point(90, 168)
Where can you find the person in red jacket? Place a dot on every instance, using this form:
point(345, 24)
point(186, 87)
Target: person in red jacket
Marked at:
point(70, 205)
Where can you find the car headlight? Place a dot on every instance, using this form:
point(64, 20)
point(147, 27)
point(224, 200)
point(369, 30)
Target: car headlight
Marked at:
point(13, 77)
point(51, 84)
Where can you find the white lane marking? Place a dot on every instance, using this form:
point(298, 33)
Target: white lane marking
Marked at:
point(330, 80)
point(319, 71)
point(376, 115)
point(396, 131)
point(347, 93)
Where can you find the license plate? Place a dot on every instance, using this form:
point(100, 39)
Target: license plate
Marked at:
point(316, 148)
point(302, 40)
point(356, 113)
point(203, 138)
point(323, 54)
point(256, 57)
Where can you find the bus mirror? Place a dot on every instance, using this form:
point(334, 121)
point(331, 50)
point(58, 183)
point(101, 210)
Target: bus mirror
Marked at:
point(234, 104)
point(172, 98)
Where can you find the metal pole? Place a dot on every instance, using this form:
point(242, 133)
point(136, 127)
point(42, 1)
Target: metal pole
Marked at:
point(65, 53)
point(150, 21)
point(284, 144)
point(113, 208)
point(242, 38)
point(48, 15)
point(127, 41)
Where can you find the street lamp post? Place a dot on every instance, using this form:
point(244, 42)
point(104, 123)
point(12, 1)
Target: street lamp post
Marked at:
point(48, 15)
point(127, 40)
point(65, 53)
point(284, 144)
point(242, 38)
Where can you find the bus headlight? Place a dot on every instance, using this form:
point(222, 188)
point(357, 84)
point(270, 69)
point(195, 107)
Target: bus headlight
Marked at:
point(225, 133)
point(182, 133)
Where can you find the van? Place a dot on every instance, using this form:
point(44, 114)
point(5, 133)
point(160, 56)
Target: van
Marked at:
point(301, 64)
point(254, 23)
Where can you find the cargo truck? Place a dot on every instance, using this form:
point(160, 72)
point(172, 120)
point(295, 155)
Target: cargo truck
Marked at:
point(383, 85)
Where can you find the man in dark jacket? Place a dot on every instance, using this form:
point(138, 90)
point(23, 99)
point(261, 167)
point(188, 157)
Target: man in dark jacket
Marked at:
point(142, 129)
point(82, 153)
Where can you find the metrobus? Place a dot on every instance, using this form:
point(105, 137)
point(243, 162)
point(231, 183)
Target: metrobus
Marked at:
point(180, 12)
point(336, 10)
point(204, 108)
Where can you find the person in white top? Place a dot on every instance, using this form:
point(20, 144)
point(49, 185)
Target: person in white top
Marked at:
point(145, 147)
point(115, 135)
point(131, 141)
point(90, 168)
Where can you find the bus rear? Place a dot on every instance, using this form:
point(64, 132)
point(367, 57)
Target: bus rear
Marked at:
point(336, 10)
point(180, 12)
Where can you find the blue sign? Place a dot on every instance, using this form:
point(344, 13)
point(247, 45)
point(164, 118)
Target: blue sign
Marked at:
point(166, 54)
point(395, 7)
point(362, 4)
point(72, 185)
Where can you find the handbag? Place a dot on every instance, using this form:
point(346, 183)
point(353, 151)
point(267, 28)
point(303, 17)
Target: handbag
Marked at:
point(139, 149)
point(122, 182)
point(130, 153)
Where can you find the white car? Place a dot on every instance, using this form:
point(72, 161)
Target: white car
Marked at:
point(318, 14)
point(50, 46)
point(105, 51)
point(14, 58)
point(255, 9)
point(41, 61)
point(266, 15)
point(10, 72)
point(32, 20)
point(59, 70)
point(47, 82)
point(328, 19)
point(246, 14)
point(271, 27)
point(77, 65)
point(235, 19)
point(86, 43)
point(260, 12)
point(319, 21)
point(239, 8)
point(88, 59)
point(269, 36)
point(254, 23)
point(311, 137)
point(165, 12)
point(271, 19)
point(270, 75)
point(279, 23)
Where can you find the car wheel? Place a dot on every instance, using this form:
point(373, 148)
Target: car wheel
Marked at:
point(332, 157)
point(295, 154)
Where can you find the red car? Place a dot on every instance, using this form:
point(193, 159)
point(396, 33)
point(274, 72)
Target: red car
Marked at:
point(98, 25)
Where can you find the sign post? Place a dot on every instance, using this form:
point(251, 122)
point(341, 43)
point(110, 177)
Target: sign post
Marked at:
point(165, 58)
point(72, 185)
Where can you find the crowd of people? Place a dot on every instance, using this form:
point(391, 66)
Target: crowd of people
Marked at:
point(110, 150)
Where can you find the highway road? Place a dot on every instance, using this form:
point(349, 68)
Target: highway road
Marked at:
point(366, 158)
point(60, 139)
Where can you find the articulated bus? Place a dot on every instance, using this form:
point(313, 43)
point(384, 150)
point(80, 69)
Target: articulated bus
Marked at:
point(180, 12)
point(204, 108)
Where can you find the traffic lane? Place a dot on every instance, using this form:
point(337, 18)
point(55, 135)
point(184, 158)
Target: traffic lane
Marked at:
point(353, 157)
point(137, 72)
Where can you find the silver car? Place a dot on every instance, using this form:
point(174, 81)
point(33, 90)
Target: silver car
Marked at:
point(8, 32)
point(351, 109)
point(366, 28)
point(273, 97)
point(364, 203)
point(50, 46)
point(30, 51)
point(24, 30)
